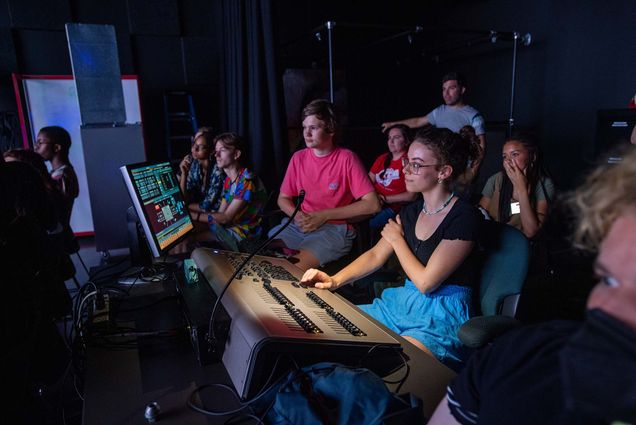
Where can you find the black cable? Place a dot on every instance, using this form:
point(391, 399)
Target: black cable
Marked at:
point(244, 415)
point(210, 337)
point(108, 267)
point(404, 364)
point(245, 404)
point(402, 380)
point(149, 274)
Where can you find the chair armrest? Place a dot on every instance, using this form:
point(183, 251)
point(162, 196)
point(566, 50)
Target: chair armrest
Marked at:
point(481, 330)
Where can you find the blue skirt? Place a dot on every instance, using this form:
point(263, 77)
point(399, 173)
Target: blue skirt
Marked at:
point(433, 319)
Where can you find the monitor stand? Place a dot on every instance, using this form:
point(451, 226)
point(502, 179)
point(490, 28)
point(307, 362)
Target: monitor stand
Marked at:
point(141, 269)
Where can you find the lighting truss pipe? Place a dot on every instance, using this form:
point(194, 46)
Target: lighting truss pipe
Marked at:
point(511, 119)
point(330, 25)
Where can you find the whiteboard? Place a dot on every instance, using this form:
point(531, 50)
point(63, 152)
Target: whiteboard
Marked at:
point(53, 100)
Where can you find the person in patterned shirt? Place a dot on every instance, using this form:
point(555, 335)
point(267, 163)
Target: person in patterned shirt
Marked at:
point(237, 221)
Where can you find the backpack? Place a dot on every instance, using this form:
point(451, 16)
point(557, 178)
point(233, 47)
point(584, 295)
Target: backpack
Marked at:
point(331, 393)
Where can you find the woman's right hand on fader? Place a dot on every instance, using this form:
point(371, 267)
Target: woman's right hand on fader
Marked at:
point(318, 279)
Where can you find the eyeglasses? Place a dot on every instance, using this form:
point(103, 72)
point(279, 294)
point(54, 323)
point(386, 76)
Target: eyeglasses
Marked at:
point(414, 166)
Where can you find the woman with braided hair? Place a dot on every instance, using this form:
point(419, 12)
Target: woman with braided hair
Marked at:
point(520, 194)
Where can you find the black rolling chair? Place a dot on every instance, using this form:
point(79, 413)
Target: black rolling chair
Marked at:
point(507, 256)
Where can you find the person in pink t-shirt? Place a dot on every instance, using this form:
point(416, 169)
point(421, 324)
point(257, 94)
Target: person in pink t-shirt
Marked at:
point(337, 189)
point(388, 177)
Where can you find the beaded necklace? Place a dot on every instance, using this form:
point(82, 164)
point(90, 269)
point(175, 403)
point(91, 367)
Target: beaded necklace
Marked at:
point(444, 205)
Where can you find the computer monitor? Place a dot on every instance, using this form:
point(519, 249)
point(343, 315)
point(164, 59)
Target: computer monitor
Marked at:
point(159, 203)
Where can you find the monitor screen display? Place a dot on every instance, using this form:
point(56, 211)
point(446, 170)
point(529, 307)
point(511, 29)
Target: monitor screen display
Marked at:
point(159, 203)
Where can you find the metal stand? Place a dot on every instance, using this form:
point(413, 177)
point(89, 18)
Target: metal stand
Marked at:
point(329, 25)
point(511, 119)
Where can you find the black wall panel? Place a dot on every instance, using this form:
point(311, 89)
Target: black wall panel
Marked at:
point(42, 52)
point(126, 58)
point(41, 14)
point(198, 18)
point(159, 17)
point(201, 59)
point(112, 12)
point(5, 18)
point(159, 61)
point(8, 64)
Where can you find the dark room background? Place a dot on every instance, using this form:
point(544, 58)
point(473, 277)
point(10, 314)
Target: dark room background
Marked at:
point(582, 59)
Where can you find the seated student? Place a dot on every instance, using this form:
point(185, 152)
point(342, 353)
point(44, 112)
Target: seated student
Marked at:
point(337, 188)
point(53, 144)
point(201, 179)
point(237, 220)
point(388, 178)
point(434, 240)
point(519, 196)
point(563, 372)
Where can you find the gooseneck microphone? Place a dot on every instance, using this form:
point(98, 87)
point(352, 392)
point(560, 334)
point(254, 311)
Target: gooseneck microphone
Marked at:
point(210, 337)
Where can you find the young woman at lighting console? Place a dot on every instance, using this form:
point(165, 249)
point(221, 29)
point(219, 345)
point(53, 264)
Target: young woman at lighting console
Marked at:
point(434, 240)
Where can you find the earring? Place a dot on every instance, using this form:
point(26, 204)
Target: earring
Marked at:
point(439, 180)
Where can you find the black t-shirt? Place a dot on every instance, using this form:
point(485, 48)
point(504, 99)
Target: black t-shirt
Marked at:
point(553, 373)
point(462, 222)
point(516, 380)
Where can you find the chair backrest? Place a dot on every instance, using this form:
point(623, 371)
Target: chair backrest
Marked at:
point(507, 255)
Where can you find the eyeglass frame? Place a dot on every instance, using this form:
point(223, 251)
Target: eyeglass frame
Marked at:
point(414, 167)
point(36, 144)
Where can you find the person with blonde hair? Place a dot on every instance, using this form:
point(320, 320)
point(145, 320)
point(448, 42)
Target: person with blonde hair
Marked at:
point(568, 372)
point(336, 189)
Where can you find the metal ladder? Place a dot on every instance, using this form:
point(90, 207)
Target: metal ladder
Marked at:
point(181, 122)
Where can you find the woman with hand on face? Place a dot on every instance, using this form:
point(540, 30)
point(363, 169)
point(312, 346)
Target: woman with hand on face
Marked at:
point(387, 176)
point(519, 195)
point(201, 180)
point(433, 239)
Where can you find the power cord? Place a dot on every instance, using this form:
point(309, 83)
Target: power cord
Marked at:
point(191, 403)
